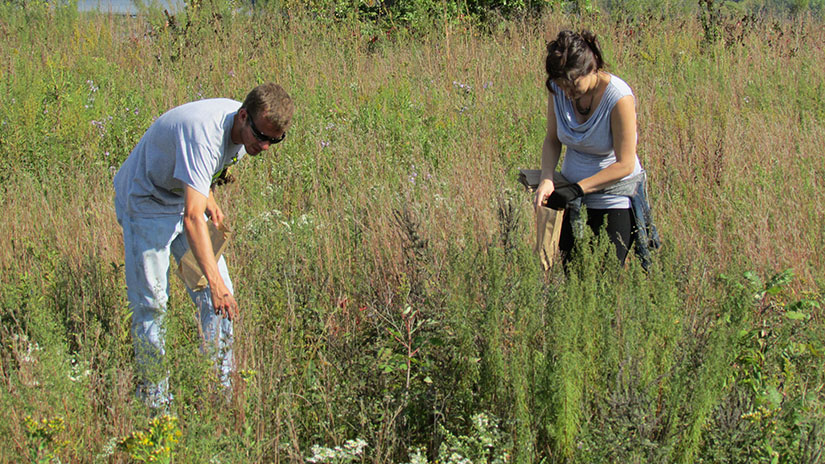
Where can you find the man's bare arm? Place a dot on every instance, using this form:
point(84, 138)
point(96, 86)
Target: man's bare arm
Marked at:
point(197, 233)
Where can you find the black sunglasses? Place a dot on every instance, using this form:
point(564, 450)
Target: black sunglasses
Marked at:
point(260, 136)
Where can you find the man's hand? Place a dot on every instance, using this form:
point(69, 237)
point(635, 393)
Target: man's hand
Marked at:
point(213, 211)
point(223, 302)
point(543, 192)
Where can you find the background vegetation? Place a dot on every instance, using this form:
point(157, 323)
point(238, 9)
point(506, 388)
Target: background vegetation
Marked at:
point(392, 309)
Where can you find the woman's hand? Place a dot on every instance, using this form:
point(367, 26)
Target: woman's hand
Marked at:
point(564, 195)
point(543, 192)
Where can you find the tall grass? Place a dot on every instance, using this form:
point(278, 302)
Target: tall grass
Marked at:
point(382, 256)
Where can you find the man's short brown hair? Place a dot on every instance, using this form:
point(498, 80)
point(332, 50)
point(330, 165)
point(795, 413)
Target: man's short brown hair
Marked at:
point(271, 101)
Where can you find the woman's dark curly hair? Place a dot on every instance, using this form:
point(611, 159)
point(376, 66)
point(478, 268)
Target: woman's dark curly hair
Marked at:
point(572, 55)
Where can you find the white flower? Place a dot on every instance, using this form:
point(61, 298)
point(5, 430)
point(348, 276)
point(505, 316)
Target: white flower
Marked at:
point(351, 450)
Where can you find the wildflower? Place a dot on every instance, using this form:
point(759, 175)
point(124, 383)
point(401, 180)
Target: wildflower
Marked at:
point(350, 452)
point(481, 421)
point(101, 127)
point(418, 457)
point(247, 375)
point(107, 450)
point(464, 87)
point(155, 444)
point(77, 371)
point(355, 446)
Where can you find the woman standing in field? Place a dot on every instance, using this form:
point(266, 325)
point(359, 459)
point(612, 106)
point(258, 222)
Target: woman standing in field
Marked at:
point(593, 113)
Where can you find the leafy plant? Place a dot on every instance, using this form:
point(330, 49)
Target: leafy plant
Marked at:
point(43, 437)
point(156, 443)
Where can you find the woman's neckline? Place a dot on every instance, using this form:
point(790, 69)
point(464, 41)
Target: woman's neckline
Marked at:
point(597, 99)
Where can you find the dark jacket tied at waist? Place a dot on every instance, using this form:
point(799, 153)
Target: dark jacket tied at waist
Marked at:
point(646, 236)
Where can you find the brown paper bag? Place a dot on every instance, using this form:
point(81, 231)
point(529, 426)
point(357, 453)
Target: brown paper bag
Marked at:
point(190, 271)
point(548, 229)
point(548, 221)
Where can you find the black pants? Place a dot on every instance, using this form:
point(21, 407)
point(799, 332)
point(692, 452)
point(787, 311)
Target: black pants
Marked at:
point(619, 230)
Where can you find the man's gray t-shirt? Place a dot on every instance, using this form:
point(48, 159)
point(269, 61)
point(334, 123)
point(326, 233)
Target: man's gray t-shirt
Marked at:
point(187, 145)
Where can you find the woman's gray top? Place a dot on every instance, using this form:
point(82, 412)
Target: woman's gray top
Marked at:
point(590, 144)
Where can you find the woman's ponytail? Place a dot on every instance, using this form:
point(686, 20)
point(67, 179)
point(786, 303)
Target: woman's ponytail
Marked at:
point(593, 43)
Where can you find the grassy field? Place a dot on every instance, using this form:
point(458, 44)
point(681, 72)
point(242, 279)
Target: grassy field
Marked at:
point(391, 305)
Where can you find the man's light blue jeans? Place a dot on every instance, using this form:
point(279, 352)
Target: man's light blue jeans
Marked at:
point(148, 242)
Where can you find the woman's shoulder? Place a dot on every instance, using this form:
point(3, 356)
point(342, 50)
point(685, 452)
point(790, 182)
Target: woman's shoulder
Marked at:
point(619, 86)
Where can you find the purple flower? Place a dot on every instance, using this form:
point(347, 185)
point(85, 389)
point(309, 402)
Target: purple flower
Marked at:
point(465, 87)
point(101, 127)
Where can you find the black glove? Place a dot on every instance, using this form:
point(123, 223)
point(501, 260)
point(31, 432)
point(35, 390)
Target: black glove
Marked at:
point(564, 195)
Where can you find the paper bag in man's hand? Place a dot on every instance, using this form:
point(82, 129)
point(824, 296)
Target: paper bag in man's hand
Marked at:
point(190, 271)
